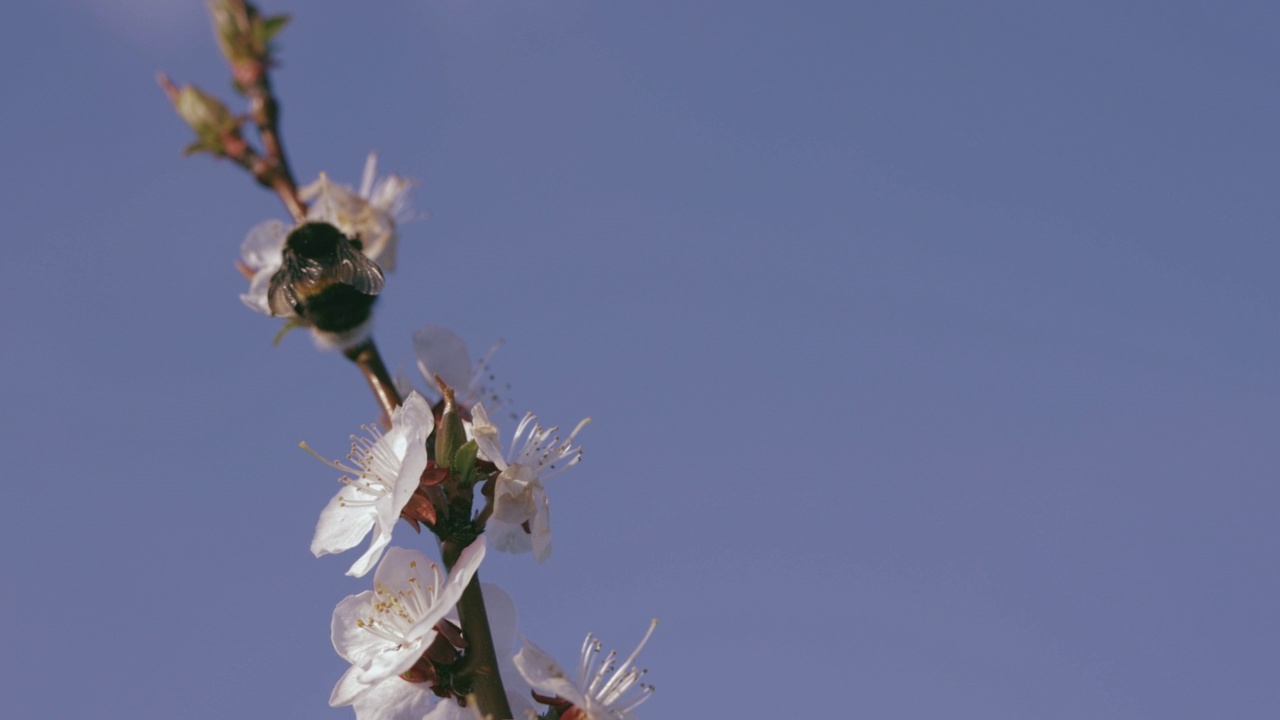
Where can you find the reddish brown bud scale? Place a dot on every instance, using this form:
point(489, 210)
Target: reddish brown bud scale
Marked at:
point(419, 510)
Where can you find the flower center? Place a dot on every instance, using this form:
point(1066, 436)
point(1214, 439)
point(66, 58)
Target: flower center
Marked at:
point(375, 460)
point(396, 611)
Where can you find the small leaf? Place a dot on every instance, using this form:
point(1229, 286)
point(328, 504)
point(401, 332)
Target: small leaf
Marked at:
point(199, 146)
point(271, 27)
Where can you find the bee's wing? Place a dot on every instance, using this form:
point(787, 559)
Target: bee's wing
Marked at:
point(356, 270)
point(282, 297)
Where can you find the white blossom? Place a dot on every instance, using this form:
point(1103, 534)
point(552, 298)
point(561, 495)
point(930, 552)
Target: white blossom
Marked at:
point(388, 470)
point(383, 632)
point(369, 215)
point(521, 519)
point(398, 699)
point(603, 690)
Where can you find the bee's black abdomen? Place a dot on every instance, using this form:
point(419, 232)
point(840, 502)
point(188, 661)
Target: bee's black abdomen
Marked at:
point(337, 308)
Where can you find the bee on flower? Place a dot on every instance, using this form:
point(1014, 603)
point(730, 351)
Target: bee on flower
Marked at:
point(278, 258)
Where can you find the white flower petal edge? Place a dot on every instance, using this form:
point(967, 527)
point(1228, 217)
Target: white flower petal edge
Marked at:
point(440, 352)
point(262, 252)
point(384, 631)
point(388, 469)
point(600, 698)
point(545, 675)
point(394, 699)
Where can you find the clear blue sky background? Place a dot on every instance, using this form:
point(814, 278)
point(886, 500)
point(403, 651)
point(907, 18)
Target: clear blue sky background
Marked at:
point(931, 347)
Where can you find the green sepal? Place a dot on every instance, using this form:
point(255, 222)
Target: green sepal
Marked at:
point(464, 463)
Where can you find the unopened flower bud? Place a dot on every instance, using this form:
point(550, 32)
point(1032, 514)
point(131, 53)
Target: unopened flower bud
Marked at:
point(242, 33)
point(213, 123)
point(450, 434)
point(203, 112)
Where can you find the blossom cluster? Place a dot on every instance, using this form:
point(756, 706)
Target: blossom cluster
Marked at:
point(386, 633)
point(428, 641)
point(402, 637)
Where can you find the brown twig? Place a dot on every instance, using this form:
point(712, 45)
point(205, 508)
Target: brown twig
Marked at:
point(366, 357)
point(270, 171)
point(249, 54)
point(265, 111)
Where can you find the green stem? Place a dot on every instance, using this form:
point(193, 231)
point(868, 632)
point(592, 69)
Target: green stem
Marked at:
point(482, 661)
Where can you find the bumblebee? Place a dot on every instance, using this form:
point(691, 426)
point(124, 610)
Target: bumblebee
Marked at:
point(326, 282)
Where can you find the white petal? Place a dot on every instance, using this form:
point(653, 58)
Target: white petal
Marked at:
point(441, 352)
point(503, 618)
point(351, 641)
point(256, 298)
point(415, 411)
point(414, 462)
point(411, 423)
point(546, 676)
point(375, 657)
point(463, 570)
point(419, 636)
point(396, 699)
point(541, 525)
point(517, 690)
point(344, 522)
point(513, 495)
point(508, 538)
point(381, 539)
point(486, 436)
point(405, 568)
point(349, 688)
point(263, 246)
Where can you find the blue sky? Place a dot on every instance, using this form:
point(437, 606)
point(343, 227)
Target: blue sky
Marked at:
point(931, 348)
